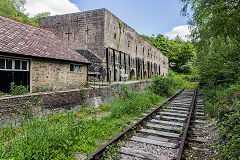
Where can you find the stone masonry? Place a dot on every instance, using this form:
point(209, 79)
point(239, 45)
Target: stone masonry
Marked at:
point(117, 45)
point(55, 75)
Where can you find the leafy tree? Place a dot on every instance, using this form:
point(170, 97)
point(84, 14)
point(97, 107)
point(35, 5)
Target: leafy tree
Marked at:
point(217, 39)
point(180, 53)
point(15, 9)
point(34, 20)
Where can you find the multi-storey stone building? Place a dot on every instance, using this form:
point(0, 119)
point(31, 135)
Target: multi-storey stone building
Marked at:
point(108, 43)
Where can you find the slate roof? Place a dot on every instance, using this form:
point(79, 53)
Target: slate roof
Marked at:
point(23, 39)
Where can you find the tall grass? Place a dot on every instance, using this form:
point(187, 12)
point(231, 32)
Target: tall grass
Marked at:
point(61, 135)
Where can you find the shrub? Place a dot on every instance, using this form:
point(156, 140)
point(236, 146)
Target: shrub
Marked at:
point(2, 93)
point(16, 90)
point(163, 86)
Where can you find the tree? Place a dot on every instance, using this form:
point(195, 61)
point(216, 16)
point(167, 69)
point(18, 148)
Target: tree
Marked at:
point(217, 39)
point(15, 9)
point(180, 53)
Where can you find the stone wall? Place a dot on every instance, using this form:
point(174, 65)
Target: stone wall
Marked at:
point(99, 31)
point(55, 75)
point(132, 43)
point(66, 100)
point(82, 30)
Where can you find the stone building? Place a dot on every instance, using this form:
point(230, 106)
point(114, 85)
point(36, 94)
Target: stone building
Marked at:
point(34, 57)
point(110, 44)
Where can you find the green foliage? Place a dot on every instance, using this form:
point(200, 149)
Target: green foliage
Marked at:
point(120, 33)
point(34, 20)
point(15, 9)
point(163, 86)
point(180, 53)
point(2, 94)
point(223, 103)
point(86, 85)
point(59, 136)
point(166, 86)
point(217, 41)
point(136, 104)
point(17, 90)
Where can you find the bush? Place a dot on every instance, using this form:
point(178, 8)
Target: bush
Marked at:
point(2, 93)
point(163, 86)
point(17, 90)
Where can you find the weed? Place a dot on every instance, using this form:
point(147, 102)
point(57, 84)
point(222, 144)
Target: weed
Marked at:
point(17, 90)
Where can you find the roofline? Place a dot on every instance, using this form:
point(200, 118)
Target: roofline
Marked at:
point(76, 12)
point(106, 10)
point(35, 57)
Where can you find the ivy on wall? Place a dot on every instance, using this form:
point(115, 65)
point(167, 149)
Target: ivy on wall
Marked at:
point(120, 33)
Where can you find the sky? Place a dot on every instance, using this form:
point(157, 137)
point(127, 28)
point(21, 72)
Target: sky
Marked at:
point(145, 16)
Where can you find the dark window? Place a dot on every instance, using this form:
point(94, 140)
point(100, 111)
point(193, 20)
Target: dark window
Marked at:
point(76, 68)
point(9, 64)
point(24, 65)
point(136, 49)
point(2, 63)
point(17, 64)
point(115, 36)
point(143, 50)
point(71, 67)
point(128, 43)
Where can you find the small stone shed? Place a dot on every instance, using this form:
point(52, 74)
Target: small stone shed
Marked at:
point(36, 58)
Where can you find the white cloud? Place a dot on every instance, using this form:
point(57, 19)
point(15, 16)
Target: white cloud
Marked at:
point(55, 7)
point(182, 31)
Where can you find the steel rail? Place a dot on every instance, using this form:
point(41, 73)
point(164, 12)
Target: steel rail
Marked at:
point(181, 148)
point(96, 155)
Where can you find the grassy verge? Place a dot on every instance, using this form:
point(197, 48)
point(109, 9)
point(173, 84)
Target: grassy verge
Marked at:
point(59, 136)
point(223, 104)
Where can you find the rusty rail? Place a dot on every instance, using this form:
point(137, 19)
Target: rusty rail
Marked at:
point(95, 155)
point(181, 148)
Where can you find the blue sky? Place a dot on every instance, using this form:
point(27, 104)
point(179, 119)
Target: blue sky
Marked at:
point(145, 16)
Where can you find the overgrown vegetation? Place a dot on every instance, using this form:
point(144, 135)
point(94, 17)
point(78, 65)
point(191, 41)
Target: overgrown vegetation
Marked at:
point(168, 85)
point(217, 42)
point(59, 136)
point(17, 90)
point(180, 53)
point(15, 10)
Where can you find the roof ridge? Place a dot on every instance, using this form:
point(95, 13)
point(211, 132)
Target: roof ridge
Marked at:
point(30, 25)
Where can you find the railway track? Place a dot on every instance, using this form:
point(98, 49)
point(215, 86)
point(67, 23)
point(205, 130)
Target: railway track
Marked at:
point(162, 133)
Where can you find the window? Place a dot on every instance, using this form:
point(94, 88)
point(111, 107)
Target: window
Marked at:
point(11, 64)
point(17, 64)
point(8, 64)
point(2, 63)
point(128, 43)
point(115, 36)
point(136, 49)
point(24, 65)
point(75, 68)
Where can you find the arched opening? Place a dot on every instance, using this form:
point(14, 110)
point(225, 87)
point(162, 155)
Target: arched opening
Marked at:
point(115, 75)
point(145, 74)
point(132, 74)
